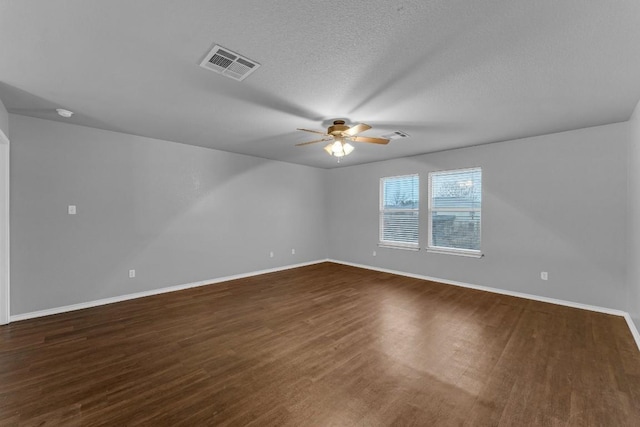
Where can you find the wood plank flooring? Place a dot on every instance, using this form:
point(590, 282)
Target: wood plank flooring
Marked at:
point(324, 345)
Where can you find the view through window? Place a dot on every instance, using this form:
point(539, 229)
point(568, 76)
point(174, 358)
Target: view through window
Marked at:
point(455, 201)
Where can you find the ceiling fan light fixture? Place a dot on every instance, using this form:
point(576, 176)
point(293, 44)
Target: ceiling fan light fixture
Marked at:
point(348, 148)
point(336, 147)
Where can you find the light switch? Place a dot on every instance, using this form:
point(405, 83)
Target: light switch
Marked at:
point(72, 209)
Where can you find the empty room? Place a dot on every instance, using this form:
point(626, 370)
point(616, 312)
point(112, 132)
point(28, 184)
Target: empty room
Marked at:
point(281, 213)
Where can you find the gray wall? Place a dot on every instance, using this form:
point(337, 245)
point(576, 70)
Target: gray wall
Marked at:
point(4, 119)
point(551, 203)
point(179, 214)
point(633, 217)
point(175, 213)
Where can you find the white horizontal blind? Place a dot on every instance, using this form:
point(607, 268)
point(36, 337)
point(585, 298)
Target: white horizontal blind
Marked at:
point(455, 208)
point(399, 199)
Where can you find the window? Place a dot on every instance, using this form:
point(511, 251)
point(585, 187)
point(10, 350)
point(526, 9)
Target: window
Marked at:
point(399, 211)
point(455, 201)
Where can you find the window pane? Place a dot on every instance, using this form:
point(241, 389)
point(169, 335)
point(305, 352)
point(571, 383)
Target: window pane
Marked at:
point(455, 206)
point(459, 230)
point(458, 189)
point(401, 227)
point(400, 192)
point(399, 210)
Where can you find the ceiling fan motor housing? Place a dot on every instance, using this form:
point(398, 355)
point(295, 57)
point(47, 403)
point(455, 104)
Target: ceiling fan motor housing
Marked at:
point(337, 128)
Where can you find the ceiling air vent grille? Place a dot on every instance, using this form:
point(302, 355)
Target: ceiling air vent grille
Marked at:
point(228, 63)
point(396, 135)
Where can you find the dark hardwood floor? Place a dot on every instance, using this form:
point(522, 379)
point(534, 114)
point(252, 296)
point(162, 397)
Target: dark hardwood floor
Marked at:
point(324, 345)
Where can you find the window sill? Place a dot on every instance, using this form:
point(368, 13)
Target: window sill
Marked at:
point(406, 248)
point(453, 252)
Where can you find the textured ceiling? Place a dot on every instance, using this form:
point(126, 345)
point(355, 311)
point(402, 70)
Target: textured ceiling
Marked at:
point(449, 73)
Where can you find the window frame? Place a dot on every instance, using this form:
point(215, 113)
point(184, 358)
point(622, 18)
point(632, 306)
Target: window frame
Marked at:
point(394, 244)
point(475, 253)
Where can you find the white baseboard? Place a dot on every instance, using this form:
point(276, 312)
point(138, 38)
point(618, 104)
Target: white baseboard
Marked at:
point(632, 327)
point(104, 301)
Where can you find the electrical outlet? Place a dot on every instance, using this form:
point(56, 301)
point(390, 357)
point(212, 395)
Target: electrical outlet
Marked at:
point(132, 274)
point(374, 253)
point(293, 251)
point(72, 209)
point(544, 275)
point(271, 254)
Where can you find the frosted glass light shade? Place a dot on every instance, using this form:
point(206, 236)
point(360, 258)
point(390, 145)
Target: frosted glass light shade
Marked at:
point(338, 148)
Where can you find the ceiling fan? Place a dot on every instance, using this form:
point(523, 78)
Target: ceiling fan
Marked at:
point(340, 134)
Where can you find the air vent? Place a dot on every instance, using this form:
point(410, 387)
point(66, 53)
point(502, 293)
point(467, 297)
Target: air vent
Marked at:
point(396, 135)
point(228, 63)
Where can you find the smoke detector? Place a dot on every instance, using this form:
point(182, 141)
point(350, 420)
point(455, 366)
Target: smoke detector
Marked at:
point(64, 113)
point(228, 63)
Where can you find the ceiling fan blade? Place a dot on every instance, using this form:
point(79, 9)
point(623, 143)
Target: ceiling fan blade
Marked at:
point(314, 131)
point(354, 130)
point(313, 142)
point(369, 139)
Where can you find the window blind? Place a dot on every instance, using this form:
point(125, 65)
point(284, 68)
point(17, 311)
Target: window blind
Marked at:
point(399, 200)
point(455, 211)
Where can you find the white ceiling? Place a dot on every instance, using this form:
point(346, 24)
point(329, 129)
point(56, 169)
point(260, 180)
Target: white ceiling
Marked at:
point(449, 73)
